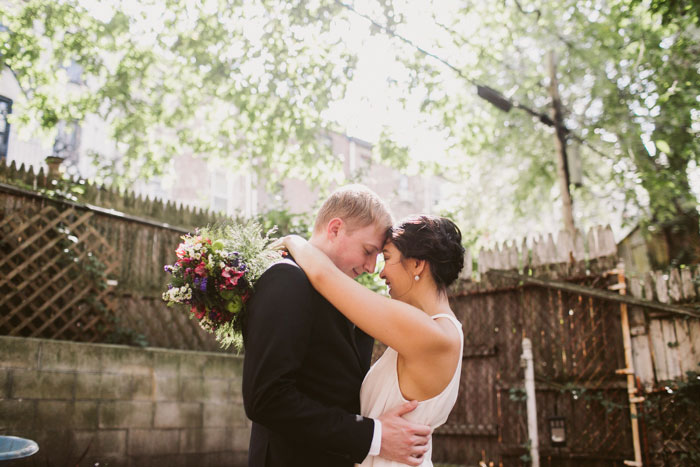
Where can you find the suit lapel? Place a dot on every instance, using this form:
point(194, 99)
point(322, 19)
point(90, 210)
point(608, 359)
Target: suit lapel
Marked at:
point(353, 341)
point(363, 347)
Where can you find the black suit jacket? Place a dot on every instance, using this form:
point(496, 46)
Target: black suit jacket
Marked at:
point(303, 367)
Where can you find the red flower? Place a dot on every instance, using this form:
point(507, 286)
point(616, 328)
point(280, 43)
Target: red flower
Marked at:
point(231, 275)
point(201, 269)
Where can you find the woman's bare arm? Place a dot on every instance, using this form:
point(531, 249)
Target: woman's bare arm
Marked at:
point(403, 327)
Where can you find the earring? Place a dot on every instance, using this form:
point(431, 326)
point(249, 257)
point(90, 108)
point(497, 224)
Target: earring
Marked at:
point(416, 277)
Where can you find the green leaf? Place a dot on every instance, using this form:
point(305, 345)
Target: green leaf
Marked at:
point(662, 146)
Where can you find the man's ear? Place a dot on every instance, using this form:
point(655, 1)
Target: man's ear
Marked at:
point(334, 227)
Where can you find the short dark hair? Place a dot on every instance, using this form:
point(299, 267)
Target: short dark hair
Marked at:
point(437, 240)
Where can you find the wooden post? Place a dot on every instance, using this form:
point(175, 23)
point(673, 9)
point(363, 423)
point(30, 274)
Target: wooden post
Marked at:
point(54, 164)
point(560, 141)
point(629, 370)
point(526, 361)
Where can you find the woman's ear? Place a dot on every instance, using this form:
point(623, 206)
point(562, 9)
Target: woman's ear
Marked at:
point(419, 266)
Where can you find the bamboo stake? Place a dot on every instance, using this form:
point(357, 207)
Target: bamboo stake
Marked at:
point(629, 370)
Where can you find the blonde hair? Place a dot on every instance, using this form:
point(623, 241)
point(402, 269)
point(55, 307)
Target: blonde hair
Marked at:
point(357, 206)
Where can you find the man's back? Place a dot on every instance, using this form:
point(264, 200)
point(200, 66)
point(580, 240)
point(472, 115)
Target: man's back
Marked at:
point(302, 375)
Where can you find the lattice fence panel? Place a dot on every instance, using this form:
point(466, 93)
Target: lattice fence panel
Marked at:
point(163, 326)
point(672, 422)
point(53, 273)
point(578, 348)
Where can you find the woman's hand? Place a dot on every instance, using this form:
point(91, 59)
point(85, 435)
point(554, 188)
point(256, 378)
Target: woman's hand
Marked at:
point(289, 243)
point(313, 261)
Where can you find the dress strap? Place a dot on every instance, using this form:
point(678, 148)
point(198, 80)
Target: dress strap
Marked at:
point(454, 320)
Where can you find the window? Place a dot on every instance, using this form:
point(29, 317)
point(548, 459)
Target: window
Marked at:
point(219, 192)
point(5, 110)
point(404, 190)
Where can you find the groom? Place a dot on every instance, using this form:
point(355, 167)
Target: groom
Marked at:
point(305, 362)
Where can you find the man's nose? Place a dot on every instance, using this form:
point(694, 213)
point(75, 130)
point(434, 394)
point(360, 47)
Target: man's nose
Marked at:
point(371, 264)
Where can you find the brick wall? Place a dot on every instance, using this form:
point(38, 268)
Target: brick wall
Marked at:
point(123, 406)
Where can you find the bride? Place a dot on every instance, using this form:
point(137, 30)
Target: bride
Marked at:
point(423, 256)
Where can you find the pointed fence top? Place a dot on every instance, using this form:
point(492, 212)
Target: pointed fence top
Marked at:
point(542, 250)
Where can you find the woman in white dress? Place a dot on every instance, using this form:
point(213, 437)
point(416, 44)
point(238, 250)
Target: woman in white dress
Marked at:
point(423, 256)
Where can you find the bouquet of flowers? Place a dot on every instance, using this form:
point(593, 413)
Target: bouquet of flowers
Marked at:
point(214, 276)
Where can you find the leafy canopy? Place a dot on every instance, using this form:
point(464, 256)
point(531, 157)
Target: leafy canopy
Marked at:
point(629, 81)
point(241, 81)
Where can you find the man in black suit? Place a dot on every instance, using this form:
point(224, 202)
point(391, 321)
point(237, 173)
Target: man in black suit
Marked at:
point(305, 362)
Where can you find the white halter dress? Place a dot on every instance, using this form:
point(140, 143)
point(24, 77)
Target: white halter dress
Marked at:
point(380, 392)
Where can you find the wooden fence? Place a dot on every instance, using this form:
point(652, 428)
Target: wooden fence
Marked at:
point(107, 198)
point(564, 296)
point(665, 339)
point(76, 271)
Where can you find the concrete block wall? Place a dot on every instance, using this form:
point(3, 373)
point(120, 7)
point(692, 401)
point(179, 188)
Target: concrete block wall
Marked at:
point(115, 405)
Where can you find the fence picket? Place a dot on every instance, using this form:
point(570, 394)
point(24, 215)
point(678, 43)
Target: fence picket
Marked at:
point(685, 354)
point(565, 246)
point(591, 244)
point(658, 348)
point(688, 286)
point(674, 286)
point(466, 273)
point(671, 347)
point(525, 257)
point(513, 256)
point(649, 287)
point(641, 353)
point(661, 287)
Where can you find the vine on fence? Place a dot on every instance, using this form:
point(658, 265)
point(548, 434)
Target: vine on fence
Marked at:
point(675, 411)
point(91, 268)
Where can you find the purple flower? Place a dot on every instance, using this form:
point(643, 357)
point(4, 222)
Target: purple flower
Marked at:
point(203, 284)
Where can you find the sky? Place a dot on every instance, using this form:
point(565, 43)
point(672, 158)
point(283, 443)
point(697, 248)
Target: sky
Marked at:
point(371, 103)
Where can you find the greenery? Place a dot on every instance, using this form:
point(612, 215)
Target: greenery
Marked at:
point(629, 83)
point(249, 82)
point(373, 281)
point(65, 188)
point(226, 79)
point(670, 10)
point(676, 413)
point(286, 223)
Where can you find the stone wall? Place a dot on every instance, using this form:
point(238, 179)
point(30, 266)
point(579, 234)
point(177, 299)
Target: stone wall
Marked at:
point(122, 406)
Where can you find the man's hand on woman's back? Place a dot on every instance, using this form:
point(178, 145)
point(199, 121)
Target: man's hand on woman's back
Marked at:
point(403, 441)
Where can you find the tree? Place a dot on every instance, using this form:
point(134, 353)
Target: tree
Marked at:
point(231, 79)
point(673, 9)
point(629, 83)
